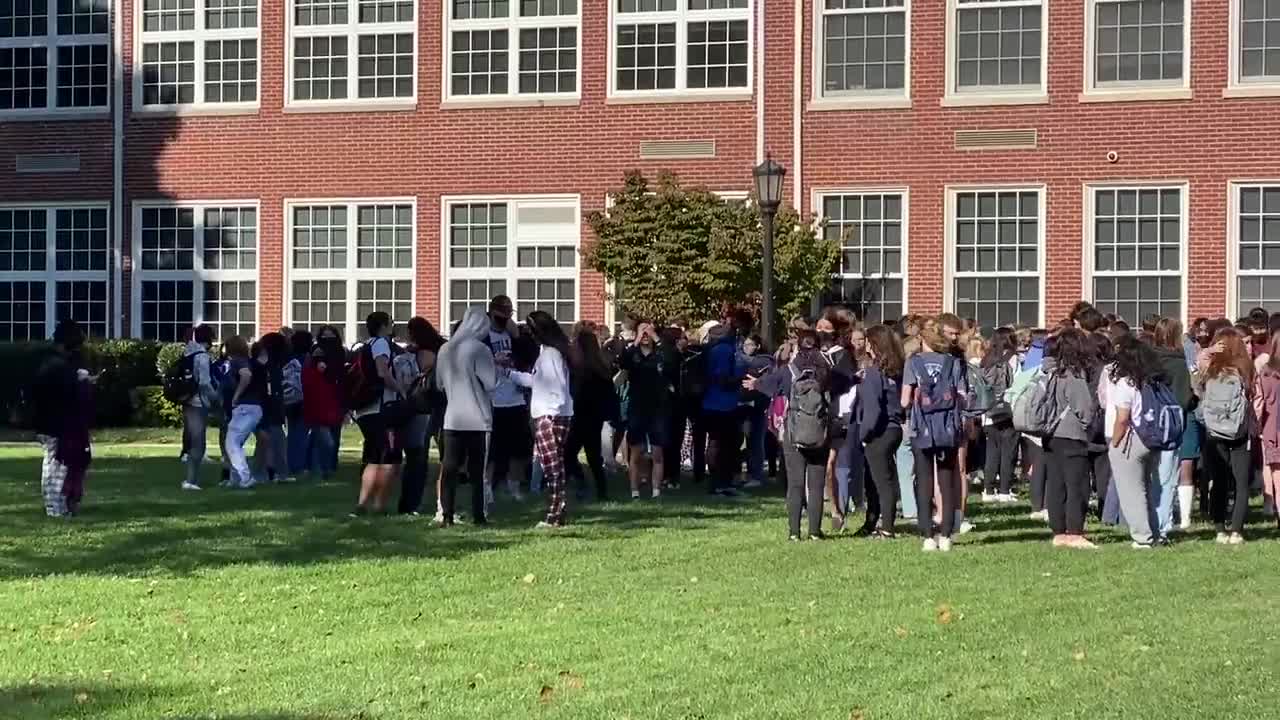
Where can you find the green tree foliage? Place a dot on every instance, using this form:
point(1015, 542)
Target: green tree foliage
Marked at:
point(685, 253)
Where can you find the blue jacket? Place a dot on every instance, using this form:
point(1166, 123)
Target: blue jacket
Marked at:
point(1035, 355)
point(724, 376)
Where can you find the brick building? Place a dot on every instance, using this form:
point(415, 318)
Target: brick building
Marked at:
point(252, 163)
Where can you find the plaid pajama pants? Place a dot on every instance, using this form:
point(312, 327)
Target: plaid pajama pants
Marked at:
point(548, 445)
point(52, 476)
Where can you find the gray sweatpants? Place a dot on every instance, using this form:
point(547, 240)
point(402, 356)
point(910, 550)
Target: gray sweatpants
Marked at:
point(1133, 466)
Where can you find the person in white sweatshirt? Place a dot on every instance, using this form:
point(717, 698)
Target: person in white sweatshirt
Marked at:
point(551, 407)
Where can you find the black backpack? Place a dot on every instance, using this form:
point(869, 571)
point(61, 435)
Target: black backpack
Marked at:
point(180, 384)
point(693, 375)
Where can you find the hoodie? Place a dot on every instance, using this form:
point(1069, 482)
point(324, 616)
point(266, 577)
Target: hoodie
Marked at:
point(1079, 422)
point(1174, 365)
point(207, 395)
point(467, 374)
point(724, 373)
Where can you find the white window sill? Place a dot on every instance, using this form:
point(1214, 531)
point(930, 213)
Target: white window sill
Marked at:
point(60, 115)
point(1259, 90)
point(1136, 95)
point(872, 102)
point(688, 96)
point(983, 99)
point(508, 101)
point(212, 110)
point(349, 106)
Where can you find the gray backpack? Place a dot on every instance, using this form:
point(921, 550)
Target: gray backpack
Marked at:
point(1035, 408)
point(1224, 407)
point(808, 412)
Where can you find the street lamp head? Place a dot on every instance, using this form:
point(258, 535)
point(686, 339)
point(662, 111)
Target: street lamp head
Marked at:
point(768, 177)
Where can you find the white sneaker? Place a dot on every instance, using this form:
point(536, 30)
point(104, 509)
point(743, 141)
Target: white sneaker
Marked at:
point(1007, 498)
point(1040, 515)
point(289, 480)
point(635, 494)
point(657, 493)
point(930, 545)
point(191, 486)
point(1139, 546)
point(1222, 538)
point(990, 497)
point(966, 527)
point(1235, 539)
point(944, 544)
point(753, 485)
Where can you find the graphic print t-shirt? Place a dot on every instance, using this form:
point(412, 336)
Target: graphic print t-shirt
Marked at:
point(505, 393)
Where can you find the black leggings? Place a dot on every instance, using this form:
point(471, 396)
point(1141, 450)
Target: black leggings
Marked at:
point(1066, 484)
point(724, 431)
point(936, 465)
point(806, 480)
point(1002, 448)
point(413, 483)
point(882, 492)
point(584, 434)
point(1227, 464)
point(469, 448)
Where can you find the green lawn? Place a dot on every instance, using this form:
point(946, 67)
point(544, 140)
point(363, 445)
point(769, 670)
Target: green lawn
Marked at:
point(271, 605)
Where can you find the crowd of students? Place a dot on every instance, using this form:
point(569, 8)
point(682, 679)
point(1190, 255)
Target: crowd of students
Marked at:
point(888, 420)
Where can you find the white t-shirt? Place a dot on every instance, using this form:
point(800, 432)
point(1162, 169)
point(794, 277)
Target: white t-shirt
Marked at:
point(1115, 395)
point(505, 394)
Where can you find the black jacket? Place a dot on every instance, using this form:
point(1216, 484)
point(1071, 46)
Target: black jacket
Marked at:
point(52, 393)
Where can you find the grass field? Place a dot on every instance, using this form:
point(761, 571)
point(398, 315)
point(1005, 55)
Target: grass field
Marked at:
point(271, 605)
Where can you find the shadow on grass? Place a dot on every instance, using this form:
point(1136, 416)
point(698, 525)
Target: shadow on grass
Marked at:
point(46, 701)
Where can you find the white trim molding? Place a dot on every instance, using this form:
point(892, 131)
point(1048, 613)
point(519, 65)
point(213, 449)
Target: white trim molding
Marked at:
point(550, 34)
point(1239, 86)
point(951, 274)
point(957, 95)
point(818, 197)
point(1264, 212)
point(38, 45)
point(877, 30)
point(333, 32)
point(177, 48)
point(1132, 90)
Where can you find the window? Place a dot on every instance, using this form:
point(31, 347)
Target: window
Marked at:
point(53, 265)
point(54, 55)
point(352, 50)
point(870, 228)
point(1256, 227)
point(198, 53)
point(348, 259)
point(1137, 44)
point(1136, 251)
point(864, 48)
point(195, 264)
point(1255, 42)
point(998, 47)
point(526, 248)
point(996, 256)
point(677, 45)
point(503, 49)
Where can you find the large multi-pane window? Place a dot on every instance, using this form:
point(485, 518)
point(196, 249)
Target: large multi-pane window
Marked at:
point(677, 45)
point(1257, 251)
point(1138, 43)
point(996, 261)
point(512, 48)
point(1256, 41)
point(999, 46)
point(1136, 251)
point(54, 264)
point(871, 230)
point(864, 47)
point(349, 259)
point(54, 55)
point(198, 53)
point(352, 50)
point(195, 264)
point(526, 248)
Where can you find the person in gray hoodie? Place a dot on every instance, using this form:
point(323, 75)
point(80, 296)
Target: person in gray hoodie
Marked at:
point(195, 411)
point(466, 372)
point(1069, 360)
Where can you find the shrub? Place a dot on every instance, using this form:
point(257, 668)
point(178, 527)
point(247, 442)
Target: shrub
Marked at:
point(152, 409)
point(168, 356)
point(122, 366)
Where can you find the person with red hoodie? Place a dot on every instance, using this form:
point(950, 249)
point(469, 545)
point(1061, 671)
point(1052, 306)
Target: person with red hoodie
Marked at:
point(322, 401)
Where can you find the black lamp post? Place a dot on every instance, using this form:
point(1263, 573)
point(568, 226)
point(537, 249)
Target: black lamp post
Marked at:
point(768, 177)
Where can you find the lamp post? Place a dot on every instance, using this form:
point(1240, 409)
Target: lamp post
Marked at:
point(768, 178)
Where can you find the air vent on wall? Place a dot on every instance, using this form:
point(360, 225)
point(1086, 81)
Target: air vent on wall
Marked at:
point(677, 149)
point(996, 139)
point(49, 163)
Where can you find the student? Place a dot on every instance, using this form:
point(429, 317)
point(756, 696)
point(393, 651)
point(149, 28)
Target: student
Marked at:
point(53, 400)
point(879, 423)
point(954, 330)
point(755, 408)
point(1068, 362)
point(551, 404)
point(270, 457)
point(1133, 367)
point(1226, 394)
point(1266, 395)
point(595, 403)
point(720, 407)
point(322, 377)
point(905, 458)
point(1168, 346)
point(652, 384)
point(846, 461)
point(466, 373)
point(298, 444)
point(999, 365)
point(195, 411)
point(247, 397)
point(512, 442)
point(378, 421)
point(413, 367)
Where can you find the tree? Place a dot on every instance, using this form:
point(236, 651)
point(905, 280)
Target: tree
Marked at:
point(686, 253)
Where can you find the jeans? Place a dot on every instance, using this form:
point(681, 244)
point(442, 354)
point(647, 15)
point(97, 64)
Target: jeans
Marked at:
point(1164, 489)
point(806, 477)
point(906, 462)
point(850, 462)
point(1066, 484)
point(881, 451)
point(244, 421)
point(324, 450)
point(299, 441)
point(1227, 463)
point(273, 454)
point(1035, 456)
point(195, 428)
point(1002, 447)
point(936, 466)
point(417, 445)
point(1132, 466)
point(755, 443)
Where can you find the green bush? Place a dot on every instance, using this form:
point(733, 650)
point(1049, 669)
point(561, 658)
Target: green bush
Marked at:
point(168, 356)
point(152, 409)
point(122, 366)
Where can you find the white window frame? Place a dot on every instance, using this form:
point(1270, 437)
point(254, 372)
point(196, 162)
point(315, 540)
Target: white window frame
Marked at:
point(1133, 91)
point(817, 202)
point(513, 23)
point(1090, 228)
point(681, 17)
point(51, 276)
point(1237, 86)
point(856, 99)
point(352, 274)
point(1006, 95)
point(1234, 273)
point(512, 273)
point(198, 37)
point(949, 273)
point(198, 274)
point(51, 41)
point(351, 30)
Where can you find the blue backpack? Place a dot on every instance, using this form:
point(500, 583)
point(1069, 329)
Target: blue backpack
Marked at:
point(936, 412)
point(1162, 421)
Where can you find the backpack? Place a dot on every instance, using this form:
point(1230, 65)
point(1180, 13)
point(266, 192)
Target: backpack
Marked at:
point(1224, 407)
point(808, 412)
point(937, 408)
point(982, 396)
point(180, 384)
point(1162, 421)
point(292, 382)
point(693, 375)
point(1035, 407)
point(419, 399)
point(361, 386)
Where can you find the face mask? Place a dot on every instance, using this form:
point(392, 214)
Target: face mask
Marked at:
point(827, 338)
